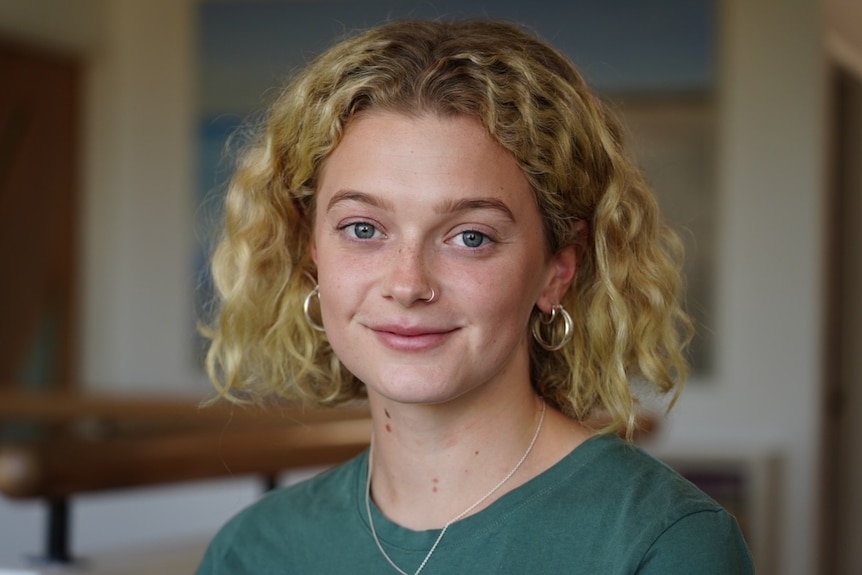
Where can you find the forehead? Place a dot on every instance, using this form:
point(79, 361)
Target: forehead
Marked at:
point(387, 151)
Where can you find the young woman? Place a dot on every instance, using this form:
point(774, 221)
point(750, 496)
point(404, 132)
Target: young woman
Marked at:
point(441, 217)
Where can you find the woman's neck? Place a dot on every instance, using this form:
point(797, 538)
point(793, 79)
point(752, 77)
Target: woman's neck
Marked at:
point(431, 463)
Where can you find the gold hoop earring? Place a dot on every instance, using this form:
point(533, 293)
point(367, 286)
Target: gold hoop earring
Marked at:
point(306, 306)
point(539, 322)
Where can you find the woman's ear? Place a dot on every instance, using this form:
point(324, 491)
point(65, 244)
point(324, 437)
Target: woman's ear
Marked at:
point(564, 265)
point(312, 248)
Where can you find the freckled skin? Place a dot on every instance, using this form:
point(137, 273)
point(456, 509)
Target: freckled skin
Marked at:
point(407, 205)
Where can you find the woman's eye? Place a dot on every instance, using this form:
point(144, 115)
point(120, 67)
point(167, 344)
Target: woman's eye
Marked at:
point(472, 238)
point(362, 230)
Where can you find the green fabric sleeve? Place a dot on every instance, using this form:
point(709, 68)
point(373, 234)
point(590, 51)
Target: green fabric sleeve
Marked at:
point(706, 543)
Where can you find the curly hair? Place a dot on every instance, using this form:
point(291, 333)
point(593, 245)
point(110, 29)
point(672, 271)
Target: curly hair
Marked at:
point(629, 324)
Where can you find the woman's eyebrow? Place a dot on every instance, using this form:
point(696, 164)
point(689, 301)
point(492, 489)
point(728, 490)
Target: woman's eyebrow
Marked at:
point(476, 204)
point(447, 207)
point(357, 196)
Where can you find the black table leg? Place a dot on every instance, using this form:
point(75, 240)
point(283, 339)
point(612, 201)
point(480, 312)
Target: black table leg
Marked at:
point(57, 541)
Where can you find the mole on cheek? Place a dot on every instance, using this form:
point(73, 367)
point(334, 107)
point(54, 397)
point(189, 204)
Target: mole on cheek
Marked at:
point(435, 481)
point(388, 427)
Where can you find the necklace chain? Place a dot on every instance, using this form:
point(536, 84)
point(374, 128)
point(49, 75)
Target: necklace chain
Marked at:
point(454, 519)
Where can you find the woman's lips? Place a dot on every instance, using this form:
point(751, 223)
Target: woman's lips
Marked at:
point(412, 338)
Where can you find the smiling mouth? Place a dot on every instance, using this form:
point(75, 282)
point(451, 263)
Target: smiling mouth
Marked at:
point(418, 339)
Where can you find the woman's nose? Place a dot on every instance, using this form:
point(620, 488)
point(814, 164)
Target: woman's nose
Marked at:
point(409, 276)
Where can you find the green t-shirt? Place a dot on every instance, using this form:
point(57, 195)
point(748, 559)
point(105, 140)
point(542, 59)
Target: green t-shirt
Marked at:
point(605, 509)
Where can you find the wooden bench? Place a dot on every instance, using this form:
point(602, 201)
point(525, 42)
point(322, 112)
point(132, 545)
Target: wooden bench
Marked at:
point(61, 444)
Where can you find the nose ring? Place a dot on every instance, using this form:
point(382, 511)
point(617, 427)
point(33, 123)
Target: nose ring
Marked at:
point(430, 298)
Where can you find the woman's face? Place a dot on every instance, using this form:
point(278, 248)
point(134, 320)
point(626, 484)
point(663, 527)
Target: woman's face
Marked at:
point(408, 205)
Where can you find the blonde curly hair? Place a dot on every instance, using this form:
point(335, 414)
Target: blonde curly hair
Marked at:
point(625, 298)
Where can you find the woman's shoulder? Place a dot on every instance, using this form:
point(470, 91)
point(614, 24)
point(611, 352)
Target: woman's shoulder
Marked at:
point(616, 487)
point(329, 490)
point(639, 510)
point(321, 500)
point(676, 525)
point(617, 468)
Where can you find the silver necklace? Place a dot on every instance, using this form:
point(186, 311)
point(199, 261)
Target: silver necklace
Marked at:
point(454, 519)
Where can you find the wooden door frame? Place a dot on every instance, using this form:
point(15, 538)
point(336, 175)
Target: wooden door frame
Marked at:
point(39, 140)
point(840, 396)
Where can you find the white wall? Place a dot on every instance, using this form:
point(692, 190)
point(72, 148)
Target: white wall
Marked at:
point(66, 26)
point(138, 212)
point(765, 392)
point(843, 37)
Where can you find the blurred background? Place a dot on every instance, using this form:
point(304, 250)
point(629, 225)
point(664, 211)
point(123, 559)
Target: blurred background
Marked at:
point(746, 116)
